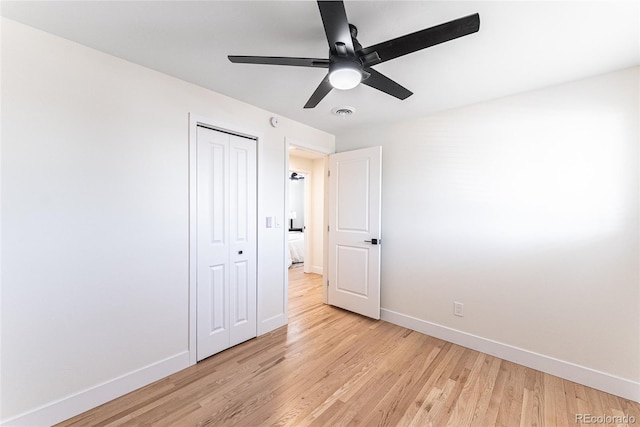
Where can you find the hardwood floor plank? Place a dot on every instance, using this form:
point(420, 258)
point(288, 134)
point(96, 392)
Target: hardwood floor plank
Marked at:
point(427, 405)
point(512, 414)
point(571, 401)
point(404, 392)
point(497, 397)
point(332, 367)
point(486, 384)
point(462, 412)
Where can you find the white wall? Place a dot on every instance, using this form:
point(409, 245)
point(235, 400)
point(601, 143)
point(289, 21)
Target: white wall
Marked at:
point(318, 218)
point(300, 163)
point(525, 209)
point(95, 221)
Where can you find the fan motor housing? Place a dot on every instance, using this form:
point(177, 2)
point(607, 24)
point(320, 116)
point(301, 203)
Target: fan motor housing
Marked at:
point(339, 63)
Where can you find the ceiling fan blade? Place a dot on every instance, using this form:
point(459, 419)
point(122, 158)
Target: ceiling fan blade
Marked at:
point(321, 91)
point(422, 39)
point(336, 27)
point(278, 60)
point(383, 83)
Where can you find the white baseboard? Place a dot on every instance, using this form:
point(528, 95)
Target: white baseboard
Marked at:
point(272, 323)
point(582, 375)
point(78, 403)
point(316, 269)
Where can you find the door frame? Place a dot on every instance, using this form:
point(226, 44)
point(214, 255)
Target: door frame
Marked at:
point(194, 121)
point(291, 142)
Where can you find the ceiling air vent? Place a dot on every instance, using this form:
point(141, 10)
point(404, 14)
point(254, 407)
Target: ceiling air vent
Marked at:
point(343, 111)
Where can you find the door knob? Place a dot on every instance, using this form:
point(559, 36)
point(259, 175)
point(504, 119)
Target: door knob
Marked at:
point(373, 241)
point(239, 252)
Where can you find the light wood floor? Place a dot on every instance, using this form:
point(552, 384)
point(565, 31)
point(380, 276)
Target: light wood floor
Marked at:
point(330, 367)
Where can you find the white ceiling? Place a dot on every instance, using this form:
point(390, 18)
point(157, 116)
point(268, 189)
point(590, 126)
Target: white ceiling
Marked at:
point(520, 46)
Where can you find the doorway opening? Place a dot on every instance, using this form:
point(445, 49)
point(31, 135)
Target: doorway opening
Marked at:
point(299, 216)
point(306, 222)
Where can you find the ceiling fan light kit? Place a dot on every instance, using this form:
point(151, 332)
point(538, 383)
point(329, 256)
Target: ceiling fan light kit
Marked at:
point(350, 64)
point(344, 75)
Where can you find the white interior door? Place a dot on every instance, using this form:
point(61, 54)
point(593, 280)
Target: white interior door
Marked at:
point(226, 241)
point(354, 230)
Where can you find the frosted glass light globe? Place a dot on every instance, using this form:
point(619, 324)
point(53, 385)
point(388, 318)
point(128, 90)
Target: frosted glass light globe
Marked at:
point(345, 78)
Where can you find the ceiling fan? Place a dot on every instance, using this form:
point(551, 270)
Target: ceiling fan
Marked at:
point(350, 64)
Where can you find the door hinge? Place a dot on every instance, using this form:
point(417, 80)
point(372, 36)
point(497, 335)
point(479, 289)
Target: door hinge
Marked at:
point(329, 173)
point(327, 283)
point(328, 228)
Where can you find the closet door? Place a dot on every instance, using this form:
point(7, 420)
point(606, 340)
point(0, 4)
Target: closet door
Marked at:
point(226, 241)
point(242, 256)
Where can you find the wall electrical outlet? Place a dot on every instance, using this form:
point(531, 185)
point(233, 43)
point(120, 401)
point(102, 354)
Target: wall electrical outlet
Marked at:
point(458, 309)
